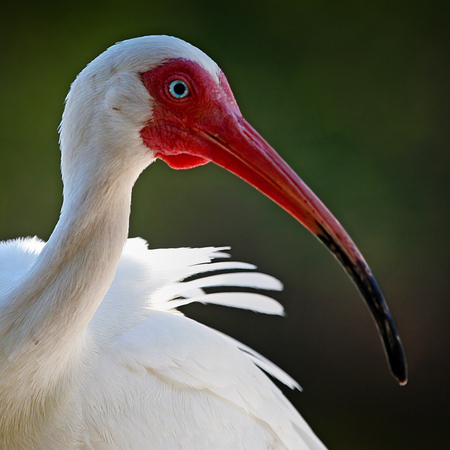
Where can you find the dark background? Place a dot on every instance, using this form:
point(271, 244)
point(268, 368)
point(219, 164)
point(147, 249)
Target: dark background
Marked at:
point(355, 96)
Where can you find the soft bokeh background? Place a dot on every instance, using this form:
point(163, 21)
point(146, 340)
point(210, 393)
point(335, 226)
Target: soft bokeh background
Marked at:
point(355, 96)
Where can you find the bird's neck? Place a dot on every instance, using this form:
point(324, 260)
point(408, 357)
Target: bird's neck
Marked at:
point(45, 349)
point(48, 312)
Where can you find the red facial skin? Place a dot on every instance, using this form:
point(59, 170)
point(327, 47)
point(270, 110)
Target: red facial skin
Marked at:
point(174, 131)
point(207, 125)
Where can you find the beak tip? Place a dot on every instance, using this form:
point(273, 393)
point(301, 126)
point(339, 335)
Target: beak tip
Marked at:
point(401, 376)
point(398, 364)
point(402, 379)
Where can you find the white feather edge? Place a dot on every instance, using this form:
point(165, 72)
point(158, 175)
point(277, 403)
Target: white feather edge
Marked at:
point(264, 363)
point(253, 280)
point(193, 262)
point(192, 291)
point(243, 300)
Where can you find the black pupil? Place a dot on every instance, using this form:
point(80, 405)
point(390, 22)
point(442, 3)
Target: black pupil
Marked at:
point(179, 88)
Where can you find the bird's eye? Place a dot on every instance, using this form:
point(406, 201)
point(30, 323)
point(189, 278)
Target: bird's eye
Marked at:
point(178, 89)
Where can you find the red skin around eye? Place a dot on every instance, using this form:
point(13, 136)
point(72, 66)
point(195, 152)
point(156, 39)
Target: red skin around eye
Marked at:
point(173, 130)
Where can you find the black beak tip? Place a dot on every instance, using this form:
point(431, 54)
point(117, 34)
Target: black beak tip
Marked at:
point(359, 272)
point(386, 327)
point(397, 361)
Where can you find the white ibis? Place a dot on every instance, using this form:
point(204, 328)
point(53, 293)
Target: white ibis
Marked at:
point(93, 353)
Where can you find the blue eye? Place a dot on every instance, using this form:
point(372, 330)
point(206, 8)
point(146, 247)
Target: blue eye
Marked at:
point(178, 89)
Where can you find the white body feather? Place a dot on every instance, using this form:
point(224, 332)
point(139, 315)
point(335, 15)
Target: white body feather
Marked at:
point(93, 353)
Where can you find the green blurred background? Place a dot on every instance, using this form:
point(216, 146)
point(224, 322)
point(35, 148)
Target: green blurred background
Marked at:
point(355, 96)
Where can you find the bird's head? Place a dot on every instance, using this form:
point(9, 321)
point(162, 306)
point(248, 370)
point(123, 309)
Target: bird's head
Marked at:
point(159, 97)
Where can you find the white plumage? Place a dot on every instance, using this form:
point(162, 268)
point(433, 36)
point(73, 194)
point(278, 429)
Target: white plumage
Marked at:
point(160, 380)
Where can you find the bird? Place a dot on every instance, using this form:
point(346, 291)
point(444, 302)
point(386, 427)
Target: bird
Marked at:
point(94, 352)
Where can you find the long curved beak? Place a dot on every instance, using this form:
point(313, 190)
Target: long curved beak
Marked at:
point(237, 147)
